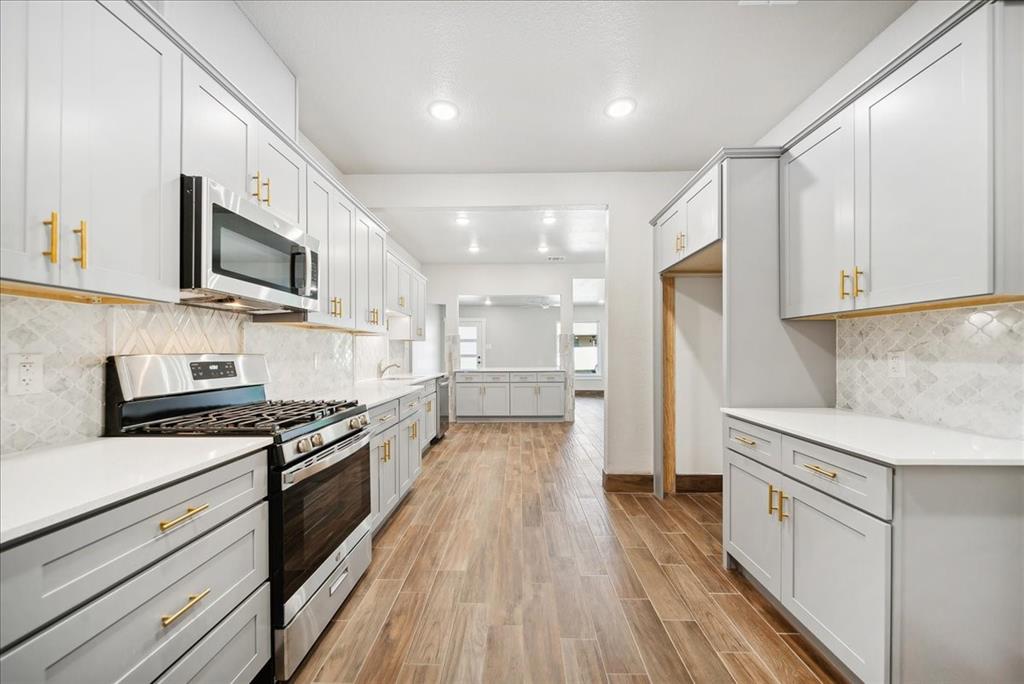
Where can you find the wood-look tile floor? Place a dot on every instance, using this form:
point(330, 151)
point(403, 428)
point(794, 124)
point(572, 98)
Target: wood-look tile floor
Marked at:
point(507, 562)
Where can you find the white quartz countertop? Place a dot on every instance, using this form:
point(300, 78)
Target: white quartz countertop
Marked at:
point(369, 392)
point(414, 378)
point(512, 369)
point(887, 440)
point(43, 488)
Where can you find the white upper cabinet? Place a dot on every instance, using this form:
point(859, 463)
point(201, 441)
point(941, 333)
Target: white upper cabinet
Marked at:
point(701, 207)
point(890, 202)
point(404, 289)
point(393, 266)
point(924, 174)
point(30, 113)
point(318, 225)
point(282, 177)
point(91, 139)
point(419, 313)
point(218, 134)
point(670, 237)
point(406, 301)
point(816, 177)
point(371, 249)
point(341, 257)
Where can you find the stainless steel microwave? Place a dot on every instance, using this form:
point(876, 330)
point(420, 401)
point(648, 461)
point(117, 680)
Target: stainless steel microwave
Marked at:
point(237, 255)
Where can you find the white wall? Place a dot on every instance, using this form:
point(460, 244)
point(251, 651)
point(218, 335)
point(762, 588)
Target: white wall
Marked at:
point(632, 199)
point(594, 313)
point(908, 28)
point(517, 335)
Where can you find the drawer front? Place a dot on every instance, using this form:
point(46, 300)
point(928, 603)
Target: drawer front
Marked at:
point(234, 652)
point(495, 377)
point(522, 377)
point(53, 574)
point(756, 442)
point(429, 387)
point(381, 417)
point(551, 377)
point(470, 377)
point(860, 483)
point(122, 636)
point(409, 405)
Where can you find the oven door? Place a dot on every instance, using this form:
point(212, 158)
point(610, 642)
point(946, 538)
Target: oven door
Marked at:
point(320, 513)
point(249, 253)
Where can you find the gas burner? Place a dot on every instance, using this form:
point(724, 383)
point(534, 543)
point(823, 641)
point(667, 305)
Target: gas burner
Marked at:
point(259, 418)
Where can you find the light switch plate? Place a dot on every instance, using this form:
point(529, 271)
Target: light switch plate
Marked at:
point(24, 374)
point(897, 364)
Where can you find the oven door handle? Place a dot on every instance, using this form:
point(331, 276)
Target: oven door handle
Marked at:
point(297, 474)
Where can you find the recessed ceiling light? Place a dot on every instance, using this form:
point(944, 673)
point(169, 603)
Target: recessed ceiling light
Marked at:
point(549, 220)
point(487, 301)
point(600, 301)
point(442, 110)
point(473, 249)
point(462, 220)
point(543, 249)
point(620, 107)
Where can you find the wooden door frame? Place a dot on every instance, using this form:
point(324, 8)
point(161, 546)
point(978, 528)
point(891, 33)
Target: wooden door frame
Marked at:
point(668, 384)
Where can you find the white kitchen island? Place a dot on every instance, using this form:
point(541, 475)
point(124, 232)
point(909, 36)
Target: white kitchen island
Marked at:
point(503, 393)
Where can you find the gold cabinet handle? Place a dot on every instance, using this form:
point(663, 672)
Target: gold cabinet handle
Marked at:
point(190, 512)
point(341, 308)
point(401, 300)
point(821, 471)
point(782, 497)
point(430, 405)
point(384, 454)
point(193, 599)
point(387, 450)
point(413, 432)
point(857, 273)
point(745, 440)
point(771, 497)
point(843, 277)
point(83, 246)
point(259, 186)
point(266, 184)
point(54, 224)
point(682, 241)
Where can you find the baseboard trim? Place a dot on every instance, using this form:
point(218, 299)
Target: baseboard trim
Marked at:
point(698, 483)
point(627, 482)
point(590, 393)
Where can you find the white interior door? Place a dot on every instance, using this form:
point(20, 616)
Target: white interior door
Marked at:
point(472, 343)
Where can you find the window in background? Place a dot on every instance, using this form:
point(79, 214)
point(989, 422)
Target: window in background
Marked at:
point(586, 350)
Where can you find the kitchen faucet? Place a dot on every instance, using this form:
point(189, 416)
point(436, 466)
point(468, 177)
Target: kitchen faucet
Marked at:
point(382, 369)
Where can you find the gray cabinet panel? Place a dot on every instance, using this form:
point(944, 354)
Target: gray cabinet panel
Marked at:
point(55, 573)
point(128, 634)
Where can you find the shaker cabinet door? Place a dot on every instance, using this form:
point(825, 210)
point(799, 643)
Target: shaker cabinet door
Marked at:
point(523, 399)
point(836, 577)
point(30, 120)
point(816, 177)
point(751, 529)
point(318, 225)
point(550, 399)
point(341, 257)
point(377, 249)
point(924, 159)
point(702, 209)
point(670, 238)
point(282, 178)
point(469, 399)
point(121, 153)
point(495, 402)
point(218, 134)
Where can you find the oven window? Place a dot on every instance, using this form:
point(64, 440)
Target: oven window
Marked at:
point(247, 251)
point(319, 514)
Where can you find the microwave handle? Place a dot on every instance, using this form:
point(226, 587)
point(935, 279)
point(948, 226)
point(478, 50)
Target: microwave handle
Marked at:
point(308, 286)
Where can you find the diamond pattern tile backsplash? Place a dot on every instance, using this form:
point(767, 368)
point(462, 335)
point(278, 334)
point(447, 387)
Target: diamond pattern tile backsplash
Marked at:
point(74, 340)
point(964, 368)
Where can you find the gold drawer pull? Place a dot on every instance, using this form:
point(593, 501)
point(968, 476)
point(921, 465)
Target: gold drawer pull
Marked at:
point(54, 224)
point(266, 184)
point(259, 187)
point(192, 511)
point(341, 308)
point(857, 290)
point(193, 599)
point(745, 440)
point(843, 277)
point(771, 496)
point(821, 471)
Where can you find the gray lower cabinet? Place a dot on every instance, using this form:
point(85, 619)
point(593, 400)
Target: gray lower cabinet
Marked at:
point(140, 628)
point(234, 652)
point(49, 576)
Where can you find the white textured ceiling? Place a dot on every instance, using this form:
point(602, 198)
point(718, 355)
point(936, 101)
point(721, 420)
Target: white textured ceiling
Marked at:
point(508, 235)
point(532, 78)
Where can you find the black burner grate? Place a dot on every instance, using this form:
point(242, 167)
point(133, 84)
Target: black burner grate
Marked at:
point(265, 417)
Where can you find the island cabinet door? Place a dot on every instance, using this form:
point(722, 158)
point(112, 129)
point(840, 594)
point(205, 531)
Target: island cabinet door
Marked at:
point(836, 577)
point(469, 399)
point(496, 399)
point(551, 399)
point(523, 399)
point(752, 531)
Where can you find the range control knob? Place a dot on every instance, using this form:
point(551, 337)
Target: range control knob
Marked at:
point(354, 423)
point(304, 445)
point(318, 440)
point(364, 419)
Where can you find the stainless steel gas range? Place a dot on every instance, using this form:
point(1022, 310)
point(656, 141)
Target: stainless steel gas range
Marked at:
point(319, 489)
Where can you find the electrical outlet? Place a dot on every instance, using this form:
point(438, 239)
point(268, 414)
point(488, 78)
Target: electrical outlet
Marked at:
point(897, 364)
point(24, 374)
